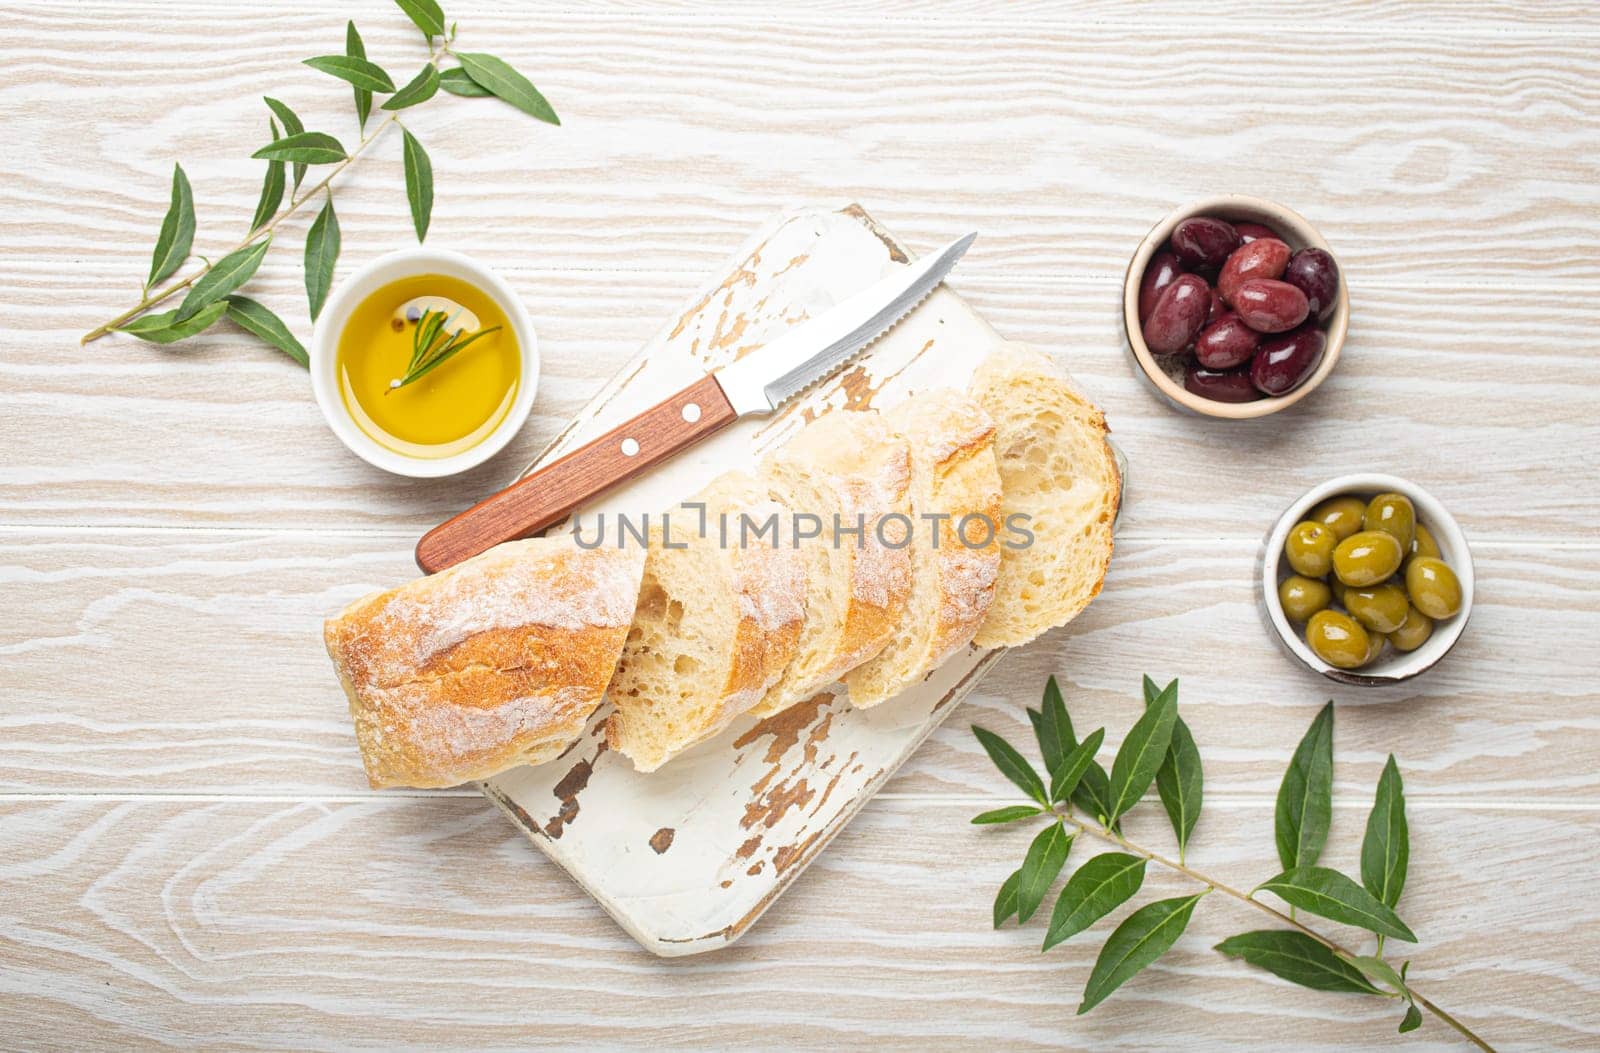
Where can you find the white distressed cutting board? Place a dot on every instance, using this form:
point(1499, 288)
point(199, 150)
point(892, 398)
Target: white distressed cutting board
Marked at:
point(688, 857)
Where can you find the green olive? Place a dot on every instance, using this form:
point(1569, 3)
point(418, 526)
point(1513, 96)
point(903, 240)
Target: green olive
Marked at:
point(1366, 558)
point(1302, 597)
point(1381, 608)
point(1433, 586)
point(1413, 632)
point(1375, 642)
point(1424, 545)
point(1342, 515)
point(1392, 514)
point(1338, 639)
point(1338, 588)
point(1309, 549)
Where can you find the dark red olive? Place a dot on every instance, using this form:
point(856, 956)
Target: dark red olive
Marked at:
point(1270, 306)
point(1226, 343)
point(1162, 270)
point(1231, 385)
point(1262, 258)
point(1249, 232)
point(1218, 308)
point(1178, 315)
point(1282, 363)
point(1314, 273)
point(1202, 241)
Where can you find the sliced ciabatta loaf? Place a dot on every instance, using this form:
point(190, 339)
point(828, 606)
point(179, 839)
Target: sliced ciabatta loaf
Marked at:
point(1057, 470)
point(716, 624)
point(847, 470)
point(496, 662)
point(955, 478)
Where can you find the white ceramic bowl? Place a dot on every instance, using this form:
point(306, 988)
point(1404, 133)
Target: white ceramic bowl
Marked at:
point(357, 287)
point(1392, 666)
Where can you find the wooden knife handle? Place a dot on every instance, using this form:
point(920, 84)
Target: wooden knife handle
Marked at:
point(550, 494)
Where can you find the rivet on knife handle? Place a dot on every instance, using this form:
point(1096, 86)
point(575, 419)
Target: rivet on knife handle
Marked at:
point(552, 493)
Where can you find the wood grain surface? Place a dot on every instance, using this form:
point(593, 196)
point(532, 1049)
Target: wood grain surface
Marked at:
point(189, 856)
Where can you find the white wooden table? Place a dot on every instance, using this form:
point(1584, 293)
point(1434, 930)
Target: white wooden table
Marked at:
point(188, 853)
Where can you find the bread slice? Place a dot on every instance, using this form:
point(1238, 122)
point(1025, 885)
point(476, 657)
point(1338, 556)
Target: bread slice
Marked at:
point(847, 466)
point(717, 622)
point(953, 475)
point(1057, 469)
point(496, 662)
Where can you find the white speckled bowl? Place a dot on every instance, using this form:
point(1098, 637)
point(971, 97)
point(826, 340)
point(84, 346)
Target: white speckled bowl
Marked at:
point(1393, 666)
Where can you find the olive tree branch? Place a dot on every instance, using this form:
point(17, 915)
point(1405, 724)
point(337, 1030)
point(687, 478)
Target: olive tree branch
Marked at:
point(1068, 816)
point(151, 299)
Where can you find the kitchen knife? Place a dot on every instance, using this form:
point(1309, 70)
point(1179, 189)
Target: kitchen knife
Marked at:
point(755, 385)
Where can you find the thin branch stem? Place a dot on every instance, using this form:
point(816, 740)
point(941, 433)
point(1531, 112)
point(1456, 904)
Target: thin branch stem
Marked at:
point(150, 299)
point(1243, 897)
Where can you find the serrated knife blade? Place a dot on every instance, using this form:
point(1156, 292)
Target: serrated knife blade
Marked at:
point(759, 383)
point(771, 375)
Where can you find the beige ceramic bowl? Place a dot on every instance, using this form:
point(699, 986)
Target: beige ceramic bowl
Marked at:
point(1234, 208)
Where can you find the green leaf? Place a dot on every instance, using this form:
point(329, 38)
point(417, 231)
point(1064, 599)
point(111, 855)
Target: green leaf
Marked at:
point(1005, 902)
point(1071, 770)
point(322, 252)
point(1181, 783)
point(1043, 864)
point(256, 320)
point(354, 48)
point(166, 327)
point(1387, 846)
point(1378, 969)
point(1093, 795)
point(317, 148)
point(1008, 814)
point(177, 230)
point(224, 276)
point(1298, 958)
point(419, 183)
point(367, 76)
point(271, 188)
point(1305, 798)
point(291, 126)
point(1049, 728)
point(1412, 1020)
point(1094, 890)
point(1142, 752)
point(421, 88)
point(1143, 936)
point(456, 82)
point(427, 16)
point(1329, 894)
point(508, 84)
point(1012, 765)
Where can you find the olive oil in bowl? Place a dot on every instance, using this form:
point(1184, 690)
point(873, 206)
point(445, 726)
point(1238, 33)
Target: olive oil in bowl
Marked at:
point(449, 408)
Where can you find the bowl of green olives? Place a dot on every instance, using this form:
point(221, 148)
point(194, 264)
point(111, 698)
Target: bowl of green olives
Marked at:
point(1367, 579)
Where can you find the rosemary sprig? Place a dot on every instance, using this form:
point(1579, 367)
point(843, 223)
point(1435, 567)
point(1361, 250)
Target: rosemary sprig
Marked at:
point(432, 346)
point(476, 75)
point(1296, 952)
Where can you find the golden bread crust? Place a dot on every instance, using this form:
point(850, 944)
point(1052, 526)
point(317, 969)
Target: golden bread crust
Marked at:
point(497, 660)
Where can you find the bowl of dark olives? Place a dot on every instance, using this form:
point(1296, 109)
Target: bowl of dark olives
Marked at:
point(1234, 307)
point(1367, 580)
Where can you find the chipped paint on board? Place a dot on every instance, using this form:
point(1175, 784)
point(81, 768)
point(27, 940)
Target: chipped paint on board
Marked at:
point(687, 858)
